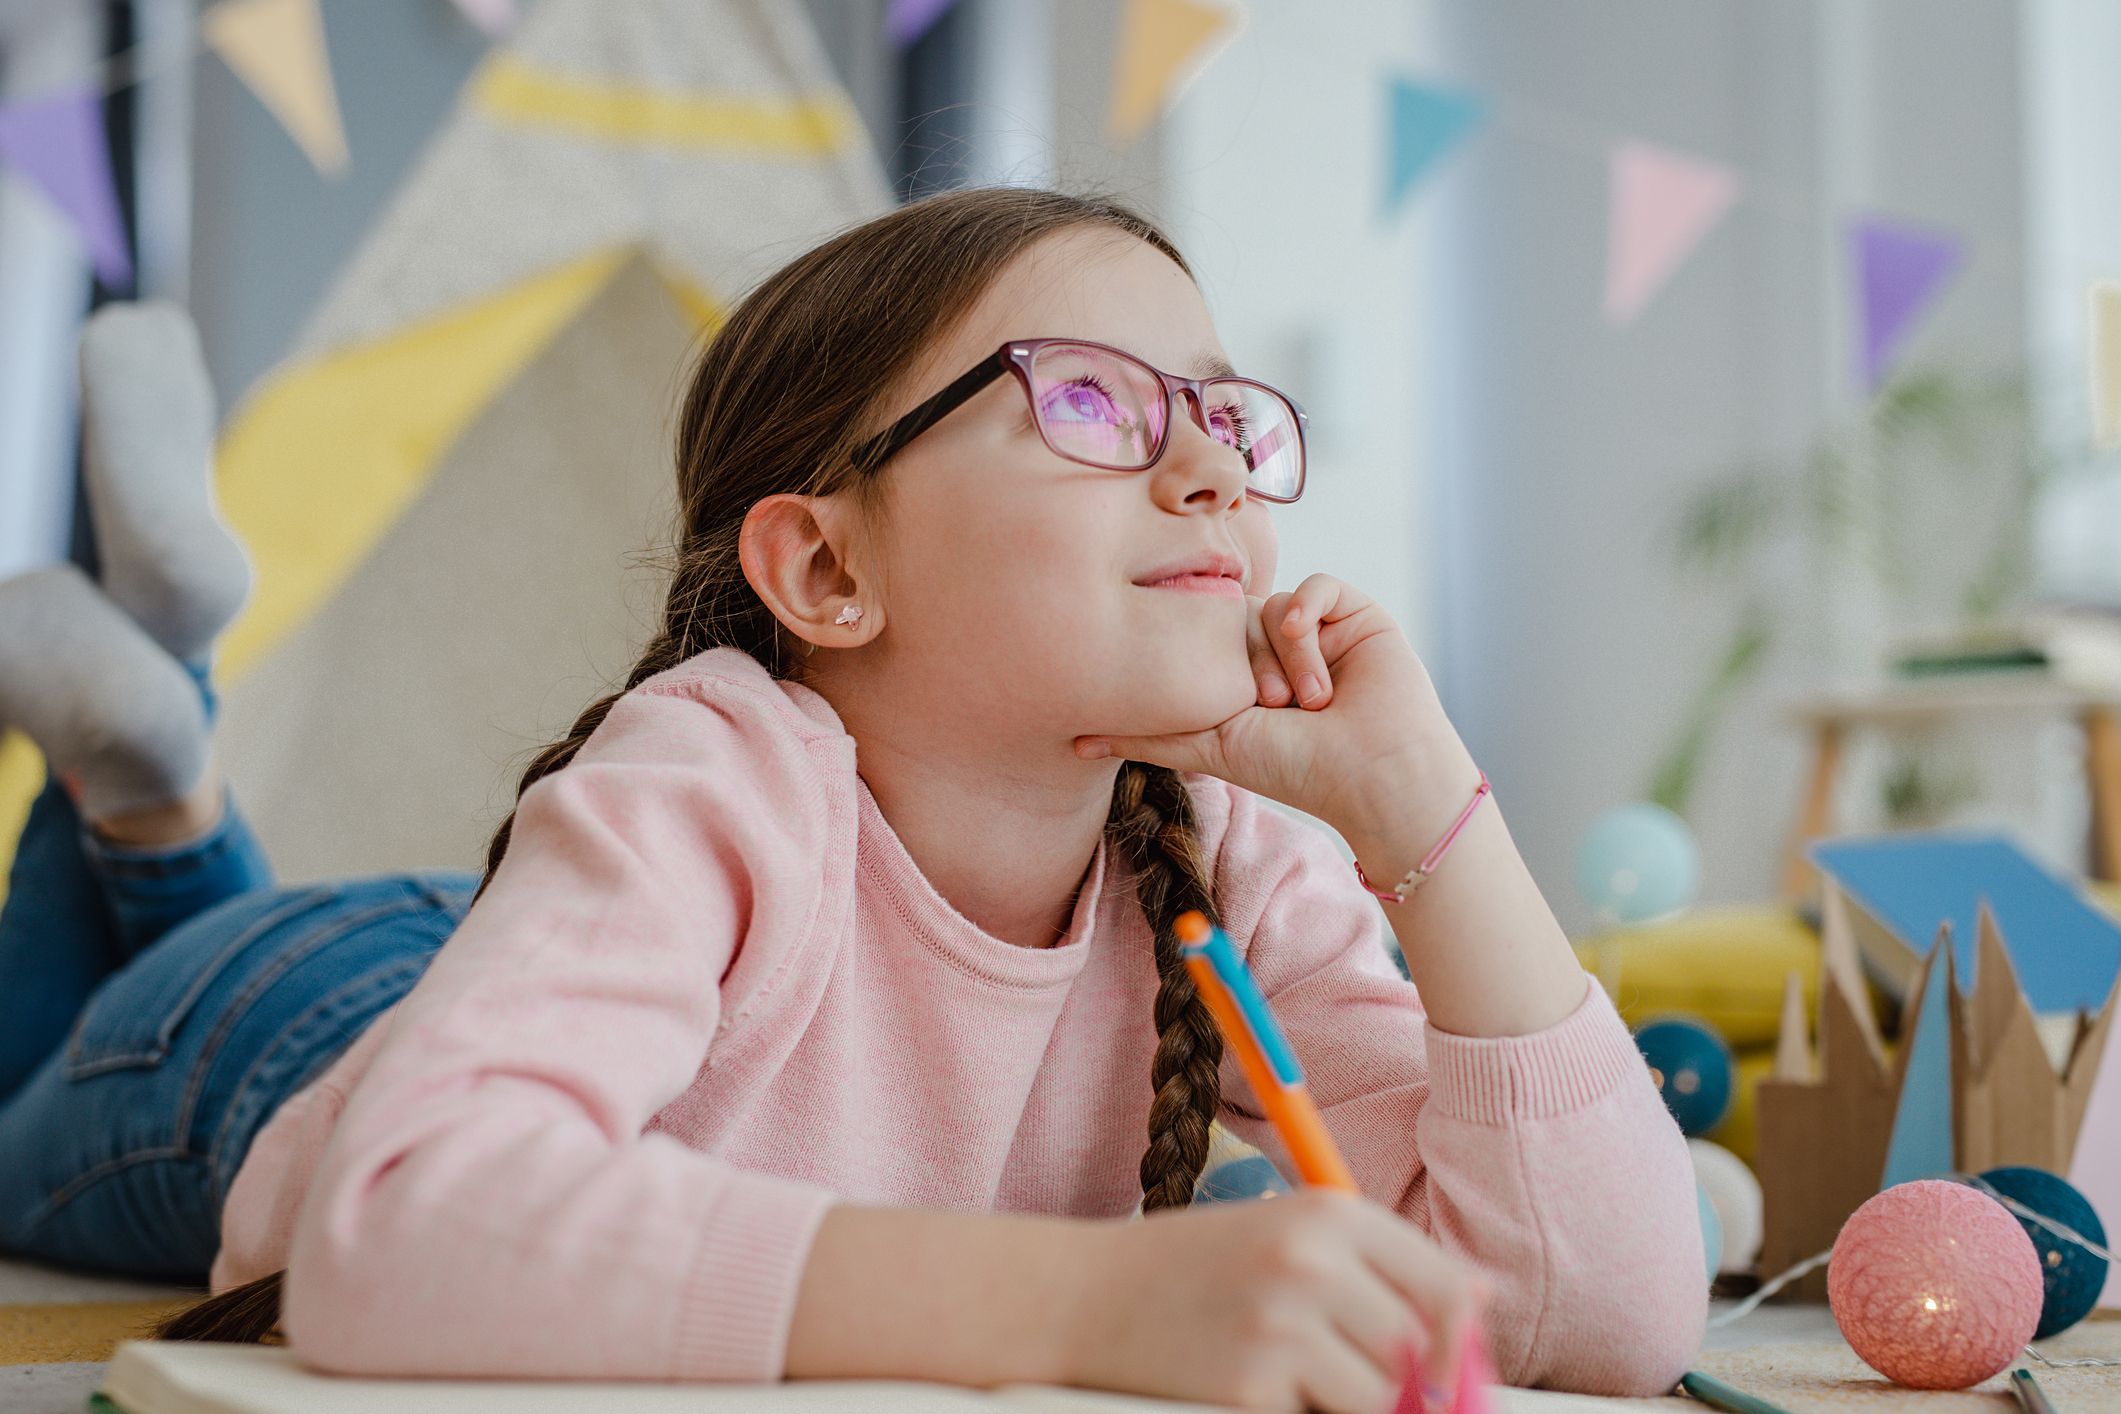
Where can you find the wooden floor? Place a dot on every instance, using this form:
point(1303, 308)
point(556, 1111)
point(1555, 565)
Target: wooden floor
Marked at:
point(57, 1330)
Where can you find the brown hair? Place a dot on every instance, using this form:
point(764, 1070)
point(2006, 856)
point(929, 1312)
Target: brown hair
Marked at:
point(781, 395)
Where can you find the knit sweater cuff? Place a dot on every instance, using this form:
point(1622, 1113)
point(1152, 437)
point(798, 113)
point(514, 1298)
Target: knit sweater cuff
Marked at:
point(740, 1298)
point(1571, 1065)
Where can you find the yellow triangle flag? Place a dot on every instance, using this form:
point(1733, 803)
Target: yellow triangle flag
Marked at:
point(2106, 364)
point(277, 48)
point(1163, 46)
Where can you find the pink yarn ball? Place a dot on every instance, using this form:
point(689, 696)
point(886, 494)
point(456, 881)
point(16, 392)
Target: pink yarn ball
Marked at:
point(1935, 1285)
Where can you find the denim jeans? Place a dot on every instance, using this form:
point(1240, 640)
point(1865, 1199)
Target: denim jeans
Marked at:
point(156, 1006)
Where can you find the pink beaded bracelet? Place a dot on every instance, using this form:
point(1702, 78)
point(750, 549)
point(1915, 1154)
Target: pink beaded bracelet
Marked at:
point(1419, 874)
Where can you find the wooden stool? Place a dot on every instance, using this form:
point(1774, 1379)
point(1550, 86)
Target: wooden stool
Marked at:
point(1924, 701)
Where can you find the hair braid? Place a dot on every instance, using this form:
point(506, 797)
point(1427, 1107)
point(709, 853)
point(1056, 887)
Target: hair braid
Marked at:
point(1152, 821)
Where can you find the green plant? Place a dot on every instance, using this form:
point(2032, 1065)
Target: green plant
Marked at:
point(1860, 502)
point(1921, 784)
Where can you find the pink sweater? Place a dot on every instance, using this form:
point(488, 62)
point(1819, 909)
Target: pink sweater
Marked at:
point(709, 994)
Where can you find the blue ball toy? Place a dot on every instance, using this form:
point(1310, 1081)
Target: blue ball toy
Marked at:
point(1636, 863)
point(1693, 1069)
point(2074, 1277)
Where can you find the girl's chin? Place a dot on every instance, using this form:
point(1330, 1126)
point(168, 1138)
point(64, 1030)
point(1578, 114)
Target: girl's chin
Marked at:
point(1194, 709)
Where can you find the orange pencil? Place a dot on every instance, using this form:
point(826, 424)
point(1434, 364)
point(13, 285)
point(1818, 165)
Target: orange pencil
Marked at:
point(1269, 1063)
point(1240, 1009)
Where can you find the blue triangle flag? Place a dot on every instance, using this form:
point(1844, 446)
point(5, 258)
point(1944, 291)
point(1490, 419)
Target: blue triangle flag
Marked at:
point(1427, 122)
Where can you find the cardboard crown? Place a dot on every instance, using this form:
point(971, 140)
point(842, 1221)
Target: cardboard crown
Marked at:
point(1828, 1118)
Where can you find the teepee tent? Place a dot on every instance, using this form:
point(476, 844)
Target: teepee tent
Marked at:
point(448, 484)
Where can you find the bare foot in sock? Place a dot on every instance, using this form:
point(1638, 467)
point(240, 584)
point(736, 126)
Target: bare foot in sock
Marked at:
point(147, 413)
point(119, 721)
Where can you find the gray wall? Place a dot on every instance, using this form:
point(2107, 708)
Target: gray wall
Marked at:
point(1568, 648)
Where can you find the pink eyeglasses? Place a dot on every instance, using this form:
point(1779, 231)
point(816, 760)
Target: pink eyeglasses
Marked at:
point(1104, 407)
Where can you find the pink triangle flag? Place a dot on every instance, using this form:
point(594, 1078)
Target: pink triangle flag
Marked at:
point(57, 143)
point(1900, 269)
point(1663, 204)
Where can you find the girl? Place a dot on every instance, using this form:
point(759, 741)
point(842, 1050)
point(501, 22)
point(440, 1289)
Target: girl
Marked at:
point(798, 1024)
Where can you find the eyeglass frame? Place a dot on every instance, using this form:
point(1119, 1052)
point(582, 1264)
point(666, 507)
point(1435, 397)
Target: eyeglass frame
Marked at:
point(1016, 356)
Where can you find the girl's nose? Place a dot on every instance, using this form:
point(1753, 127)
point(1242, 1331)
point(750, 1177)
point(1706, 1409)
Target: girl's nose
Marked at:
point(1198, 471)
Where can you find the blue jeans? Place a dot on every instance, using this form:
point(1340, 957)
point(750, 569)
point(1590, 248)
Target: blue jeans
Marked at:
point(156, 1006)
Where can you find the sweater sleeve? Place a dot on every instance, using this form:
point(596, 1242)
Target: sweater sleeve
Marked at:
point(488, 1204)
point(1548, 1160)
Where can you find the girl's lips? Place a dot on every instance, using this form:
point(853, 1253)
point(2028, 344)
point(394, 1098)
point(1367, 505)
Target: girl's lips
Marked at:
point(1200, 584)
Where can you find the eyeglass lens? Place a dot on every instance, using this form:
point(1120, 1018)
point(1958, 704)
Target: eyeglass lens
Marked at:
point(1104, 408)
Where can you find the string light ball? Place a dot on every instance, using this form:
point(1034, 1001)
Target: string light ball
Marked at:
point(1637, 863)
point(1934, 1284)
point(1734, 1190)
point(1254, 1177)
point(1693, 1069)
point(2072, 1276)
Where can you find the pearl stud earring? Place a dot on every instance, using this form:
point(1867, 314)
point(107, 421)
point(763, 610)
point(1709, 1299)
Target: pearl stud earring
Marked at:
point(850, 615)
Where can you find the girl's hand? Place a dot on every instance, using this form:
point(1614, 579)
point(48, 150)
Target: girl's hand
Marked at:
point(1317, 1299)
point(1343, 703)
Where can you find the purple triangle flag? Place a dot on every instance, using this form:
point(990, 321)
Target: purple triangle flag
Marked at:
point(907, 20)
point(1900, 269)
point(57, 143)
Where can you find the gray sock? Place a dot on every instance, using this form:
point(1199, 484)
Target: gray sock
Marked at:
point(147, 413)
point(118, 720)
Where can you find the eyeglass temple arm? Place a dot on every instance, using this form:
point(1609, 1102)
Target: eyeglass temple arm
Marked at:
point(885, 445)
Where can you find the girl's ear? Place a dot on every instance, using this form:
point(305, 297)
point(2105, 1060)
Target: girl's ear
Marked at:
point(796, 553)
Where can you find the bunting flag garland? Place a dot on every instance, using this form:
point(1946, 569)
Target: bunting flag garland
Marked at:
point(1664, 204)
point(905, 21)
point(1425, 122)
point(2106, 363)
point(1899, 269)
point(57, 144)
point(1163, 46)
point(277, 48)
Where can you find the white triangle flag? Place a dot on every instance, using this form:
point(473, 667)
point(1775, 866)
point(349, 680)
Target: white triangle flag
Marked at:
point(277, 48)
point(1163, 46)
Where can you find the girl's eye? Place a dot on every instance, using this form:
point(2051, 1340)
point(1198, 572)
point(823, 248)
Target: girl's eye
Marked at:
point(1227, 422)
point(1084, 398)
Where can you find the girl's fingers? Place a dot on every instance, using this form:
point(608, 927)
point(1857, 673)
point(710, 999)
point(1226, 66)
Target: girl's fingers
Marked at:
point(1339, 1377)
point(1293, 630)
point(1323, 599)
point(1446, 1291)
point(1274, 689)
point(1297, 635)
point(1375, 1319)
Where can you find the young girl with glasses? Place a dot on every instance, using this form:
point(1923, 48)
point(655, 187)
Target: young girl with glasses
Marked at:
point(819, 1011)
